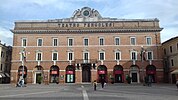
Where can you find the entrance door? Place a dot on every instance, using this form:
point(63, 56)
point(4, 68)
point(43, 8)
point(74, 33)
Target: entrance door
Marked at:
point(86, 73)
point(70, 78)
point(37, 77)
point(134, 77)
point(118, 78)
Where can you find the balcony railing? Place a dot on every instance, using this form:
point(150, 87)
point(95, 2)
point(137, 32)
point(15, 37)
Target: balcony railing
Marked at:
point(81, 61)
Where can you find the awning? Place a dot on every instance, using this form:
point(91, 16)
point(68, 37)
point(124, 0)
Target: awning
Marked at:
point(2, 75)
point(7, 75)
point(175, 71)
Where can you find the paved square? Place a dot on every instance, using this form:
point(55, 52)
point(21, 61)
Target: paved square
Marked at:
point(86, 92)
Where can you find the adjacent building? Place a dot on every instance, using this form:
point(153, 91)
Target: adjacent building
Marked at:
point(170, 56)
point(86, 47)
point(5, 62)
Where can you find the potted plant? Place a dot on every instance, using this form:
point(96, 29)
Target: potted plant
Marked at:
point(39, 79)
point(112, 80)
point(57, 80)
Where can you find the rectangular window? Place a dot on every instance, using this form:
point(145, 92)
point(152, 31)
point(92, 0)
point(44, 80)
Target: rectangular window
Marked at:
point(2, 54)
point(24, 42)
point(101, 41)
point(149, 55)
point(164, 51)
point(39, 42)
point(86, 57)
point(117, 41)
point(133, 55)
point(38, 56)
point(148, 40)
point(172, 62)
point(132, 40)
point(86, 42)
point(70, 55)
point(55, 42)
point(54, 56)
point(170, 49)
point(117, 56)
point(1, 67)
point(70, 41)
point(101, 56)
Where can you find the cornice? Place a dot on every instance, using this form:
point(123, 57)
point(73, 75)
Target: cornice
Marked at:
point(86, 31)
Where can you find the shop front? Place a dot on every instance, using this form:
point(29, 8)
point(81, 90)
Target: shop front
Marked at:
point(118, 74)
point(70, 74)
point(151, 72)
point(54, 74)
point(102, 73)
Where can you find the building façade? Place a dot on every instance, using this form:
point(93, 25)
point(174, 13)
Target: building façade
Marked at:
point(87, 47)
point(170, 58)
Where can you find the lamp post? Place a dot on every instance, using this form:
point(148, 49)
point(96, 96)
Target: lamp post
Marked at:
point(23, 54)
point(142, 58)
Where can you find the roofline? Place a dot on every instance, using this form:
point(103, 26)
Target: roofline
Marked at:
point(170, 39)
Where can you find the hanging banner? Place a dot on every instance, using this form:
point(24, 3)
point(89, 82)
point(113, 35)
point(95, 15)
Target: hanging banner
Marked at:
point(70, 72)
point(118, 72)
point(54, 72)
point(151, 72)
point(22, 72)
point(102, 72)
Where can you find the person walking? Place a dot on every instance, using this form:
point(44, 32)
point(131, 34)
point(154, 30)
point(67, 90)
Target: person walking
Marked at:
point(177, 83)
point(102, 82)
point(94, 85)
point(149, 80)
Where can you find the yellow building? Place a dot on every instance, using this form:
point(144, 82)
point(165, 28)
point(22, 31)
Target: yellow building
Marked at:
point(170, 56)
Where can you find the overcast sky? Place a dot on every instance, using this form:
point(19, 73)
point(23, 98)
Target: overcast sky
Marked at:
point(12, 10)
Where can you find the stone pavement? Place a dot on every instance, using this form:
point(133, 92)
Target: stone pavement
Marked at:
point(85, 92)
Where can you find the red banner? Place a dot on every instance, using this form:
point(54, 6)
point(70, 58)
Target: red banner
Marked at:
point(21, 72)
point(53, 72)
point(118, 72)
point(151, 72)
point(70, 72)
point(102, 72)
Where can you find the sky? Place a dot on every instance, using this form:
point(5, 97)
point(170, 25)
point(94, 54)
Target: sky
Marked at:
point(13, 10)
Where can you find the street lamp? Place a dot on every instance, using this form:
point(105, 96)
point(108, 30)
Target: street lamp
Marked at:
point(23, 54)
point(142, 58)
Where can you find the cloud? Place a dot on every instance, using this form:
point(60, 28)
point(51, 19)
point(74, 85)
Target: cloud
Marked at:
point(165, 11)
point(6, 36)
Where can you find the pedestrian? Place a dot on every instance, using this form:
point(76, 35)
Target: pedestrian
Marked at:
point(102, 82)
point(149, 80)
point(177, 83)
point(95, 84)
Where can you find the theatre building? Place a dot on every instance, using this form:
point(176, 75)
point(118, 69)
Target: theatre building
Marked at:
point(86, 47)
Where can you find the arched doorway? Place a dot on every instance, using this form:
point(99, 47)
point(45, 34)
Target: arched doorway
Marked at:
point(118, 74)
point(151, 72)
point(102, 72)
point(20, 71)
point(86, 72)
point(134, 73)
point(70, 74)
point(38, 74)
point(54, 74)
